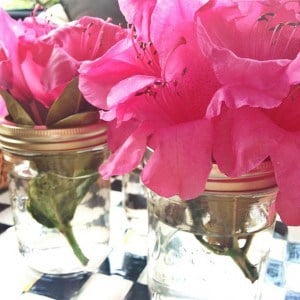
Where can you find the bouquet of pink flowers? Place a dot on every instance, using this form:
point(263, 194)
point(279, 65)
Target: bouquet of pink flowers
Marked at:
point(202, 83)
point(198, 82)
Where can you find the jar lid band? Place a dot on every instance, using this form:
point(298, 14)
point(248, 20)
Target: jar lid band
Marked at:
point(261, 177)
point(40, 138)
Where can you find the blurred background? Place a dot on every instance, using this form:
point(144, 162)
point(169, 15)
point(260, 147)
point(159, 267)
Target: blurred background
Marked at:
point(66, 9)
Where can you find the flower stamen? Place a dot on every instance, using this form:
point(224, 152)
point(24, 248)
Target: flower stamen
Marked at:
point(273, 40)
point(292, 35)
point(277, 31)
point(258, 31)
point(98, 42)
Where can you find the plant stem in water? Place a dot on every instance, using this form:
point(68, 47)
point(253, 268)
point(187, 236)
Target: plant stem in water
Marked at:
point(68, 233)
point(239, 255)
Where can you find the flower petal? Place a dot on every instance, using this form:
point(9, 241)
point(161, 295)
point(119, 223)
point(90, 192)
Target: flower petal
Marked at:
point(9, 34)
point(131, 85)
point(33, 60)
point(236, 96)
point(87, 38)
point(173, 169)
point(97, 77)
point(117, 135)
point(181, 26)
point(139, 13)
point(144, 108)
point(129, 155)
point(5, 70)
point(293, 70)
point(3, 110)
point(247, 65)
point(243, 139)
point(286, 164)
point(61, 69)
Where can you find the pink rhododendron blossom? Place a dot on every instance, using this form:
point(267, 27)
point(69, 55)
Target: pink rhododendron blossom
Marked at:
point(251, 45)
point(38, 60)
point(202, 82)
point(246, 136)
point(158, 84)
point(23, 58)
point(82, 40)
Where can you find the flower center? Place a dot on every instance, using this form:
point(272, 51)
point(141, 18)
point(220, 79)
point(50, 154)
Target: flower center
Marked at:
point(274, 38)
point(146, 54)
point(149, 58)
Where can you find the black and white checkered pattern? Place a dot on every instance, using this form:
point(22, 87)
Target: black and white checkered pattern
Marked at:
point(122, 275)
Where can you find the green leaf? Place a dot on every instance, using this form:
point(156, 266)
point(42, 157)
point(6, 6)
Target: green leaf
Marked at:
point(66, 105)
point(79, 119)
point(53, 200)
point(62, 182)
point(18, 114)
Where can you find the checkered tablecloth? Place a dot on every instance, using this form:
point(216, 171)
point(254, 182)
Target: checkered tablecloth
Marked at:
point(122, 275)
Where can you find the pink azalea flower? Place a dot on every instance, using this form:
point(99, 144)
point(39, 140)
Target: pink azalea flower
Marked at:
point(157, 84)
point(253, 135)
point(23, 57)
point(260, 71)
point(251, 45)
point(82, 40)
point(38, 60)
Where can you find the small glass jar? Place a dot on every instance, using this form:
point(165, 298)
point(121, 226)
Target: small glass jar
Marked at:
point(135, 202)
point(214, 246)
point(60, 203)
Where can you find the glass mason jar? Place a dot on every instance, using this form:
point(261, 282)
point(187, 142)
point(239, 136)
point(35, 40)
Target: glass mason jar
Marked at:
point(214, 246)
point(60, 204)
point(135, 202)
point(135, 208)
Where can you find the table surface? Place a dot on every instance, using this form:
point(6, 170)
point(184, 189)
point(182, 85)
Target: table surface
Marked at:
point(122, 275)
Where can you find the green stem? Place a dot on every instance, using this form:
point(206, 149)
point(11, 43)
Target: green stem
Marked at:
point(238, 255)
point(68, 233)
point(243, 262)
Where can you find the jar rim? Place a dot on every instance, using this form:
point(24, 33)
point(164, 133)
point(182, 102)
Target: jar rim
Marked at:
point(41, 138)
point(261, 177)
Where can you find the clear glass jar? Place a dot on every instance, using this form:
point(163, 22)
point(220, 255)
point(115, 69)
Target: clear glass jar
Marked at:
point(214, 246)
point(60, 203)
point(135, 202)
point(135, 207)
